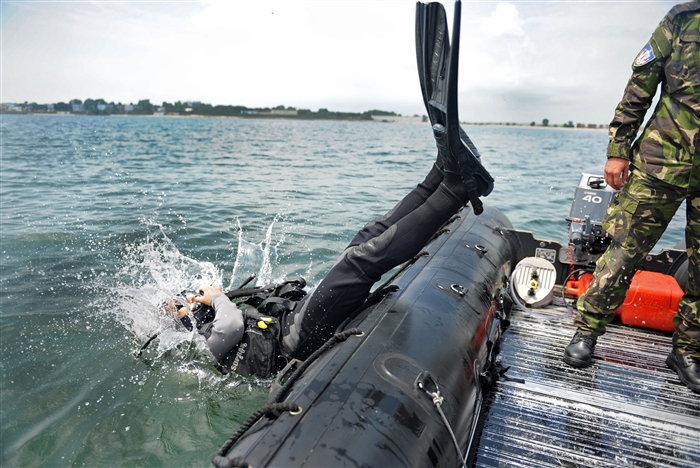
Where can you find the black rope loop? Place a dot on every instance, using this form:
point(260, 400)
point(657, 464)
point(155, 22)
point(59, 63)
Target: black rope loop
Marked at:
point(276, 407)
point(337, 338)
point(223, 462)
point(273, 410)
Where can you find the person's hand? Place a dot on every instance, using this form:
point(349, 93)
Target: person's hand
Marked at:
point(173, 308)
point(206, 294)
point(616, 172)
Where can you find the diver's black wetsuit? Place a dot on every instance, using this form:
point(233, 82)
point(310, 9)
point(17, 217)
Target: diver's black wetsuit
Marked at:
point(381, 245)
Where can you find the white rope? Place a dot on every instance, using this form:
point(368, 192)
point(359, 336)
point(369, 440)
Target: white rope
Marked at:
point(437, 401)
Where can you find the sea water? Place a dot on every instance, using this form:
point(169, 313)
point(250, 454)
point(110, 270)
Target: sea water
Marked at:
point(103, 218)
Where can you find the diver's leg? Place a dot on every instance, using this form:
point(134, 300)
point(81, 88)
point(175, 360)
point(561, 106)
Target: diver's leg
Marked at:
point(409, 203)
point(635, 221)
point(349, 281)
point(685, 356)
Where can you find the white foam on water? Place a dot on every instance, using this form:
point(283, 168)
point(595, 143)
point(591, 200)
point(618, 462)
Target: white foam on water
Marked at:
point(260, 258)
point(154, 270)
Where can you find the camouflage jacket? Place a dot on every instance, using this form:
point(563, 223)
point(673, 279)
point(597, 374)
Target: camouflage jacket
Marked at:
point(671, 139)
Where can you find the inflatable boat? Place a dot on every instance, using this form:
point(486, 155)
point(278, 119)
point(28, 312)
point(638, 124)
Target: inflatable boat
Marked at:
point(405, 386)
point(402, 383)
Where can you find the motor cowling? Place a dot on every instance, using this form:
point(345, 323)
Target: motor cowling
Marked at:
point(587, 238)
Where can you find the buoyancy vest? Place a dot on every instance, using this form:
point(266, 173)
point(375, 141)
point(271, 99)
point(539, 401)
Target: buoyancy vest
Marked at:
point(258, 353)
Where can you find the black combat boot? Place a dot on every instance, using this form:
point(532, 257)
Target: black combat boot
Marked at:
point(579, 353)
point(687, 368)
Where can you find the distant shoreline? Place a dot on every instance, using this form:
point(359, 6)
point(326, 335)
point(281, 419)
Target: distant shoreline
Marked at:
point(379, 119)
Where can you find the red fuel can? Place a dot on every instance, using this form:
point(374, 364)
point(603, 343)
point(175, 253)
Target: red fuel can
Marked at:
point(651, 301)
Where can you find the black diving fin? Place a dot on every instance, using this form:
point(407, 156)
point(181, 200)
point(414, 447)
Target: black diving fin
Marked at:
point(438, 64)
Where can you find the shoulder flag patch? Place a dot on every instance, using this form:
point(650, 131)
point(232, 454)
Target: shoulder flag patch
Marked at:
point(645, 56)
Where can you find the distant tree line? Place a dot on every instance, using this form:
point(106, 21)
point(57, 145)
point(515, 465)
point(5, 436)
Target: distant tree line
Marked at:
point(145, 107)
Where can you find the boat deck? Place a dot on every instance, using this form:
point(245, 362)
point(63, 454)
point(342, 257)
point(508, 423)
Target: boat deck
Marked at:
point(626, 409)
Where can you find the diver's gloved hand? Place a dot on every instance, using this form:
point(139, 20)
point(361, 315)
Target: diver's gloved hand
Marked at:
point(207, 293)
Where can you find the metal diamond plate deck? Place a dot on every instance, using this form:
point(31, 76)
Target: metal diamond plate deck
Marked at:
point(627, 409)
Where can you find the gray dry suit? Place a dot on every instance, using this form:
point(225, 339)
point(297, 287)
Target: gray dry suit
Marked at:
point(227, 328)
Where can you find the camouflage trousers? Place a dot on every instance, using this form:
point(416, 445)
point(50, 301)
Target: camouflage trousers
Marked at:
point(635, 220)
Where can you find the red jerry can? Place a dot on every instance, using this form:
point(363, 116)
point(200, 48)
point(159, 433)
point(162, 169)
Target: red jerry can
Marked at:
point(651, 301)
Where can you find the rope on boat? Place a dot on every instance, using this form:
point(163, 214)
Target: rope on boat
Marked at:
point(381, 291)
point(238, 462)
point(275, 408)
point(437, 401)
point(337, 338)
point(373, 299)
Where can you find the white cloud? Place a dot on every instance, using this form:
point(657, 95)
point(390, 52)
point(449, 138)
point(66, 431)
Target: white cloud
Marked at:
point(504, 21)
point(557, 60)
point(520, 61)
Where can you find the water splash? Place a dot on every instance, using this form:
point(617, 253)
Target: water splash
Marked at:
point(262, 256)
point(154, 270)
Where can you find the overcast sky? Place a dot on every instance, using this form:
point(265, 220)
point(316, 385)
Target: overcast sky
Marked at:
point(520, 61)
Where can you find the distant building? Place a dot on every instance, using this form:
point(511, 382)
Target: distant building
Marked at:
point(78, 108)
point(130, 108)
point(11, 108)
point(283, 112)
point(398, 119)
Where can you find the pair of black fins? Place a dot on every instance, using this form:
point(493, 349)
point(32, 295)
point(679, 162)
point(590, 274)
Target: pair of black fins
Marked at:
point(438, 64)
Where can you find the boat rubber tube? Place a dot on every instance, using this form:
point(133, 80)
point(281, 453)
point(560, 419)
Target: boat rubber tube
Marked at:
point(364, 402)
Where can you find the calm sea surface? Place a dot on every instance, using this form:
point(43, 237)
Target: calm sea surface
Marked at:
point(103, 218)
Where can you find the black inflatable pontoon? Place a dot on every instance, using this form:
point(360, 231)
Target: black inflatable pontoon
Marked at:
point(365, 401)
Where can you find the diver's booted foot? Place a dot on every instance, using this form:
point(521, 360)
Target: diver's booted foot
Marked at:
point(687, 368)
point(579, 353)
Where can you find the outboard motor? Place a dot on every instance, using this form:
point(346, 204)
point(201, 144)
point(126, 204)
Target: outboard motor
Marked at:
point(656, 287)
point(587, 238)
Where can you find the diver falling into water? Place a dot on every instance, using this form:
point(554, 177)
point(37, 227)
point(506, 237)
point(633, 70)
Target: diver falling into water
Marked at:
point(237, 335)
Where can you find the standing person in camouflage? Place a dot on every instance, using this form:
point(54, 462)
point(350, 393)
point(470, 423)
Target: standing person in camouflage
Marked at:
point(656, 173)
